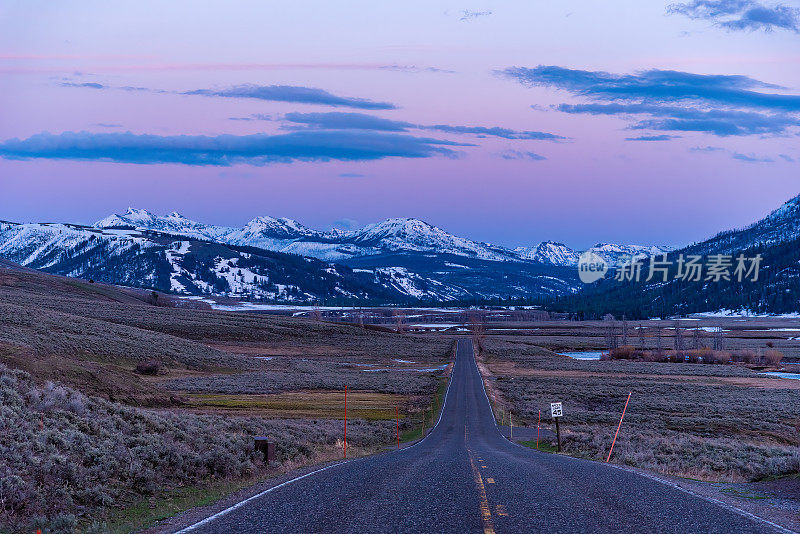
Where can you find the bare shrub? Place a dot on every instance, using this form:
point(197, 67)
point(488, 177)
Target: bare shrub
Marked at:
point(477, 330)
point(625, 352)
point(658, 356)
point(720, 356)
point(705, 354)
point(148, 368)
point(773, 357)
point(54, 397)
point(748, 356)
point(399, 322)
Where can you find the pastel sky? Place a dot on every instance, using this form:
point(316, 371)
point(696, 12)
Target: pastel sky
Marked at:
point(508, 122)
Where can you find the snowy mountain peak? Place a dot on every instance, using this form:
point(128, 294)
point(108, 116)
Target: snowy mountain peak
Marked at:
point(399, 227)
point(139, 215)
point(174, 223)
point(277, 228)
point(399, 234)
point(132, 217)
point(549, 252)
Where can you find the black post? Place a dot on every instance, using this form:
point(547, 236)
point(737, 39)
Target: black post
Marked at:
point(266, 447)
point(558, 435)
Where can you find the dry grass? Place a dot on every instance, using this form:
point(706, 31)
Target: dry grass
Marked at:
point(67, 458)
point(713, 422)
point(72, 457)
point(93, 337)
point(309, 404)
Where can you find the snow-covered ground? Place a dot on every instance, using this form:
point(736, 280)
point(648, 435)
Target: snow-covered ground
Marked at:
point(745, 313)
point(782, 374)
point(590, 355)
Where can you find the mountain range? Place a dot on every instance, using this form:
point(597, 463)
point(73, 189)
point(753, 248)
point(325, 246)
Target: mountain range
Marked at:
point(396, 261)
point(389, 236)
point(277, 259)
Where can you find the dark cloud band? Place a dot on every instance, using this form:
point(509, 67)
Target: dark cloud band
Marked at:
point(361, 121)
point(259, 149)
point(291, 93)
point(722, 105)
point(741, 15)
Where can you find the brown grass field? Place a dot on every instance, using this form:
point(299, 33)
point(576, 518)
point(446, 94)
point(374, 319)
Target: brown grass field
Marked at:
point(90, 443)
point(106, 437)
point(707, 422)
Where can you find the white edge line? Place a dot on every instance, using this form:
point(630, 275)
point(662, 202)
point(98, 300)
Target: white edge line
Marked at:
point(722, 504)
point(713, 500)
point(444, 404)
point(256, 496)
point(239, 504)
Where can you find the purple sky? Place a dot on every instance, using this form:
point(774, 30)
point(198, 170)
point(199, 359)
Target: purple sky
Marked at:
point(312, 78)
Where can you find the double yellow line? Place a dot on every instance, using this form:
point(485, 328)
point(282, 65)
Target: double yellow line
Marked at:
point(486, 511)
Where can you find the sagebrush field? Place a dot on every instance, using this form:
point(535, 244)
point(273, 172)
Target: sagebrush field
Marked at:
point(710, 422)
point(108, 400)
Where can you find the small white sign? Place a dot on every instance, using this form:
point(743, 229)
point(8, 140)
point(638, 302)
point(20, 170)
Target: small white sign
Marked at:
point(555, 409)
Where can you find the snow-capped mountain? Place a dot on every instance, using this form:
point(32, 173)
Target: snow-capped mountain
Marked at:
point(413, 235)
point(617, 255)
point(174, 254)
point(287, 235)
point(552, 253)
point(549, 252)
point(396, 260)
point(405, 235)
point(174, 223)
point(185, 265)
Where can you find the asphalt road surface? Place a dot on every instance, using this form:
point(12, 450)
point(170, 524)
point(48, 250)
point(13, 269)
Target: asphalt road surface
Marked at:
point(466, 477)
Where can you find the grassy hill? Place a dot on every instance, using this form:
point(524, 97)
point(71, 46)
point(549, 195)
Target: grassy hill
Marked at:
point(88, 438)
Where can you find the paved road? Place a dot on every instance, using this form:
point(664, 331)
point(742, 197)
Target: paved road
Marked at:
point(465, 477)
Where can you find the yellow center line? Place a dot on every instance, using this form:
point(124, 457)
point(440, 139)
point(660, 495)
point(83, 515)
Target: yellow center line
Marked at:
point(486, 511)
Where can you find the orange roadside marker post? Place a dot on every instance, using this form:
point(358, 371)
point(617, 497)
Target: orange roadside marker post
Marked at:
point(618, 426)
point(345, 421)
point(538, 425)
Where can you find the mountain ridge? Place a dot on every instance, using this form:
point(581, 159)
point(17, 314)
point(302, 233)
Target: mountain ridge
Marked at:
point(390, 235)
point(775, 238)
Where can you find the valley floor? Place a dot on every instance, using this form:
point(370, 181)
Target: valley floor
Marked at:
point(116, 412)
point(723, 431)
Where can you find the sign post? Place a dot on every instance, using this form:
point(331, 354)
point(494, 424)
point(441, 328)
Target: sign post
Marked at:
point(556, 411)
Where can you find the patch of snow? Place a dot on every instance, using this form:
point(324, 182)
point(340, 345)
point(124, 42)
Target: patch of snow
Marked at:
point(585, 356)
